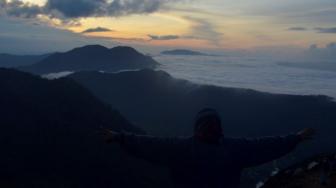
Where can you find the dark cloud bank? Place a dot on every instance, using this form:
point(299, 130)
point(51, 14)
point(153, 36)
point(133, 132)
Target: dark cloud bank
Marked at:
point(297, 29)
point(330, 30)
point(163, 37)
point(65, 9)
point(326, 30)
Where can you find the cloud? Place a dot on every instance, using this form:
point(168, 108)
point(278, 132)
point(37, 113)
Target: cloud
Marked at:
point(297, 29)
point(18, 36)
point(74, 9)
point(330, 30)
point(97, 29)
point(125, 7)
point(326, 30)
point(331, 45)
point(163, 37)
point(17, 8)
point(204, 30)
point(327, 52)
point(313, 47)
point(324, 15)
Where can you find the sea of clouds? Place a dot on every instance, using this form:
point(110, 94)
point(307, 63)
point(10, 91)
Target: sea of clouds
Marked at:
point(260, 73)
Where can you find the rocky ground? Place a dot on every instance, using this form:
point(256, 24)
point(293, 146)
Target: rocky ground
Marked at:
point(316, 172)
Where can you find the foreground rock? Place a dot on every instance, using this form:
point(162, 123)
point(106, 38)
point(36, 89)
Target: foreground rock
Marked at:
point(317, 172)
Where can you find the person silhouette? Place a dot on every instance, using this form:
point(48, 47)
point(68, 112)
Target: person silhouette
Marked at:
point(207, 159)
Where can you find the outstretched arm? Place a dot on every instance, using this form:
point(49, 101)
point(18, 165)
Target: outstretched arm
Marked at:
point(158, 150)
point(255, 152)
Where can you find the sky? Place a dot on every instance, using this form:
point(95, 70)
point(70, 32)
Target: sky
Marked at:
point(36, 26)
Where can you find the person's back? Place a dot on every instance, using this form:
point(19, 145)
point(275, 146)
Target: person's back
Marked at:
point(204, 165)
point(207, 159)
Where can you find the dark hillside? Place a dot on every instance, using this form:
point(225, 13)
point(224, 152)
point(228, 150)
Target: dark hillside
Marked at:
point(48, 132)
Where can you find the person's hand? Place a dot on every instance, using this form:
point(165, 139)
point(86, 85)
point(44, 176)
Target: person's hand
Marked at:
point(111, 136)
point(306, 134)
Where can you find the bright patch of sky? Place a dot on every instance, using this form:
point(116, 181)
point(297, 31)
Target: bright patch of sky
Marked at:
point(211, 24)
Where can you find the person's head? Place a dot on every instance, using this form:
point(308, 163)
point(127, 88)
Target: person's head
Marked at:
point(208, 128)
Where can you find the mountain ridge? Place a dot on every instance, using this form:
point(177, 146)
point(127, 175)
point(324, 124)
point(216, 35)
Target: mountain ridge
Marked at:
point(92, 57)
point(156, 86)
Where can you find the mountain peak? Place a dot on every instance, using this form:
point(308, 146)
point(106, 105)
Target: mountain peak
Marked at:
point(124, 50)
point(89, 48)
point(93, 58)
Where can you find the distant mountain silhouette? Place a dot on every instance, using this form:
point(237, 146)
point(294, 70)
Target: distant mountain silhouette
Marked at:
point(10, 61)
point(93, 57)
point(183, 52)
point(48, 133)
point(163, 105)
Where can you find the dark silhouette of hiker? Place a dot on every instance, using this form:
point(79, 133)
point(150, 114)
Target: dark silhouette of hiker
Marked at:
point(207, 159)
point(328, 166)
